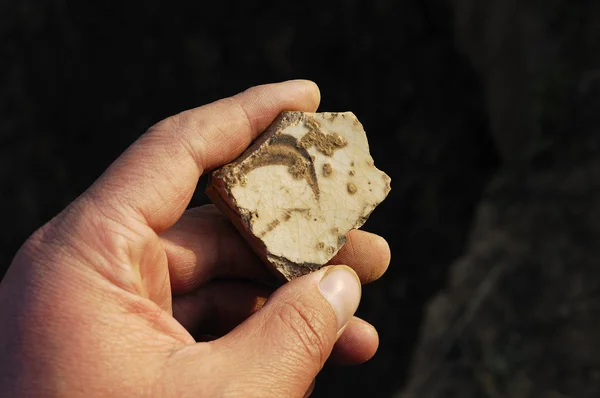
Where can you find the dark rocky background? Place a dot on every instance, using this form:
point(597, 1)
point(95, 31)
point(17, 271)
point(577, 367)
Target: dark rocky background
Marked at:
point(483, 112)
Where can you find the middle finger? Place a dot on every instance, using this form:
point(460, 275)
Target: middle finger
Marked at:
point(204, 245)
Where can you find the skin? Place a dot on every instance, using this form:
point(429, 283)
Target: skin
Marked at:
point(127, 293)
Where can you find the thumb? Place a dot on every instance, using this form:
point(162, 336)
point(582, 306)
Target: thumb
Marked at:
point(281, 348)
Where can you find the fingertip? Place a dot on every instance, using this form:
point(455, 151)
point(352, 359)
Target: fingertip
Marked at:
point(307, 93)
point(358, 343)
point(311, 89)
point(262, 103)
point(367, 253)
point(368, 329)
point(382, 247)
point(380, 260)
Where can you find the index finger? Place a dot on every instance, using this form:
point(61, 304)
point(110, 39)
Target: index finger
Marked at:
point(154, 180)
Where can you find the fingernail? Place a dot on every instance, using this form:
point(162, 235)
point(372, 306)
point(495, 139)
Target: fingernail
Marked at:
point(341, 287)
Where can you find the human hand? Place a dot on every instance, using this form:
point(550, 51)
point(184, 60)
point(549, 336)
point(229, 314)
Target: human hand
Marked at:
point(106, 298)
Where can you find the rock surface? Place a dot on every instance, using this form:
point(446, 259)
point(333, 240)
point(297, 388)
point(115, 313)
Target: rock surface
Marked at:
point(299, 188)
point(519, 317)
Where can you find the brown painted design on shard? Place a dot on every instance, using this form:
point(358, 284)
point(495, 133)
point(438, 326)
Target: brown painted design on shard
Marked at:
point(283, 150)
point(351, 188)
point(298, 169)
point(271, 226)
point(286, 215)
point(325, 143)
point(312, 123)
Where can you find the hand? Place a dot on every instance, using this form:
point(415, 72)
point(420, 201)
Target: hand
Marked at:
point(104, 300)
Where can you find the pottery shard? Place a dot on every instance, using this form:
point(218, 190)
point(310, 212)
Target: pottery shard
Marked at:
point(299, 188)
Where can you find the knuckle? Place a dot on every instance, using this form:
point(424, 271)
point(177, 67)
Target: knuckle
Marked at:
point(307, 330)
point(39, 245)
point(52, 237)
point(246, 117)
point(86, 233)
point(182, 135)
